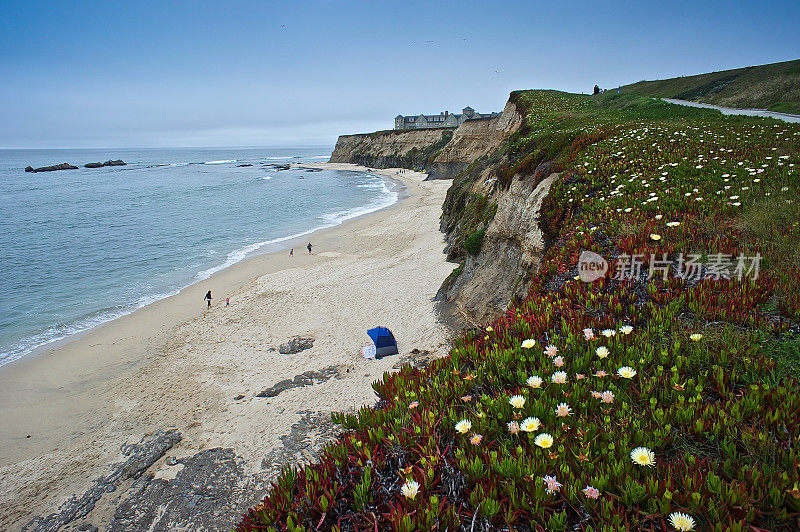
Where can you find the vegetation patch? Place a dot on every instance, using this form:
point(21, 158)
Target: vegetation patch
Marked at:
point(660, 396)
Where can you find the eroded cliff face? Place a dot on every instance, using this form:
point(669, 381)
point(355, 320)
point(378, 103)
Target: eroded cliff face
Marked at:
point(474, 139)
point(509, 255)
point(392, 148)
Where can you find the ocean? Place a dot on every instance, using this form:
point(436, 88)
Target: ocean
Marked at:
point(81, 247)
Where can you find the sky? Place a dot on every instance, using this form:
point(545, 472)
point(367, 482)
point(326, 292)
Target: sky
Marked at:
point(112, 74)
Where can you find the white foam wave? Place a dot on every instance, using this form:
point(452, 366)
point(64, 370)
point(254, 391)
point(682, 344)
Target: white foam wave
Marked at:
point(62, 331)
point(222, 161)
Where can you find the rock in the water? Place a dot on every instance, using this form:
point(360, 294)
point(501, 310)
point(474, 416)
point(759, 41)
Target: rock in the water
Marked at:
point(62, 166)
point(296, 344)
point(29, 169)
point(243, 165)
point(118, 162)
point(93, 165)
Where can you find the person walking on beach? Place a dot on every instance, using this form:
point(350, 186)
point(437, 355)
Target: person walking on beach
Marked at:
point(291, 252)
point(309, 248)
point(208, 296)
point(227, 302)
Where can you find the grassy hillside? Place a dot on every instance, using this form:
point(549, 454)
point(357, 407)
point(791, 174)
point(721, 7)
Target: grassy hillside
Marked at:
point(775, 87)
point(639, 401)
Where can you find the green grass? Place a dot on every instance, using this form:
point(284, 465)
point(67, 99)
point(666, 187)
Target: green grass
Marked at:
point(775, 86)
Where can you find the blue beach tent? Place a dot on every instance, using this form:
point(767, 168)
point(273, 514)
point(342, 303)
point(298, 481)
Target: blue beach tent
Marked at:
point(384, 341)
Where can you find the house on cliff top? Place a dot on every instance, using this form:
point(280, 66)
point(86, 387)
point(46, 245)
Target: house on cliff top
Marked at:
point(443, 119)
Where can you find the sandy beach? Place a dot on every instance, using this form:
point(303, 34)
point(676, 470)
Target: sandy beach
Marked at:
point(66, 412)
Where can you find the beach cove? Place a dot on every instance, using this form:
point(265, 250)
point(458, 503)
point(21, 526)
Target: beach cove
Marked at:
point(68, 411)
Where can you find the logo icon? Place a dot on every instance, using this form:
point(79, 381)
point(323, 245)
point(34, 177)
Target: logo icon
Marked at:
point(591, 266)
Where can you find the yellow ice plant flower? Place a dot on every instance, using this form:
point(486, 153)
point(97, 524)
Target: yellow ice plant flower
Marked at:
point(527, 344)
point(534, 381)
point(530, 424)
point(626, 372)
point(476, 439)
point(544, 440)
point(673, 224)
point(608, 333)
point(489, 329)
point(655, 237)
point(696, 337)
point(463, 426)
point(410, 489)
point(602, 351)
point(517, 401)
point(643, 456)
point(626, 329)
point(681, 521)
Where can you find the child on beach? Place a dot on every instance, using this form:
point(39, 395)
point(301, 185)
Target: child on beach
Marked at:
point(227, 302)
point(208, 297)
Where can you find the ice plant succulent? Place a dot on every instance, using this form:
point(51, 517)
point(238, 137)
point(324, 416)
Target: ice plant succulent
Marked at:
point(643, 456)
point(681, 521)
point(563, 410)
point(517, 401)
point(534, 381)
point(551, 484)
point(463, 426)
point(530, 424)
point(544, 440)
point(410, 489)
point(591, 492)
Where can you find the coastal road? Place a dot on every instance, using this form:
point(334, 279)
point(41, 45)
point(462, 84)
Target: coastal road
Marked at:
point(733, 111)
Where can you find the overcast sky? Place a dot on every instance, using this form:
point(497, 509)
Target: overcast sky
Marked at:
point(132, 74)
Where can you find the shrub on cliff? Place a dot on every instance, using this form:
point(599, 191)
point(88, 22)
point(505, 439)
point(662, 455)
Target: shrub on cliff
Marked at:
point(660, 396)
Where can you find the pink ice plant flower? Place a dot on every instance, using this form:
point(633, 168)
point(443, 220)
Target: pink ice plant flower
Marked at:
point(551, 484)
point(589, 334)
point(591, 492)
point(558, 361)
point(563, 410)
point(607, 396)
point(550, 350)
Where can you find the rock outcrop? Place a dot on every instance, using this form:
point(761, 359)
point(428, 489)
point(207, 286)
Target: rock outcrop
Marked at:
point(62, 166)
point(93, 165)
point(296, 344)
point(118, 162)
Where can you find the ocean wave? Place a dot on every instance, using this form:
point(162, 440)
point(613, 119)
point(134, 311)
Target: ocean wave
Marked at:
point(62, 331)
point(221, 161)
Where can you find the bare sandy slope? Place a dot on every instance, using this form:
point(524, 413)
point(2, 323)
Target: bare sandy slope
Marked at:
point(65, 413)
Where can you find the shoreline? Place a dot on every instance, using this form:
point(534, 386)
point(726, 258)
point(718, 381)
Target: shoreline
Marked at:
point(273, 246)
point(174, 365)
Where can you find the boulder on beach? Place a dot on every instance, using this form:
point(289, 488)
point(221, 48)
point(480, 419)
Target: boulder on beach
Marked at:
point(93, 165)
point(62, 166)
point(118, 162)
point(296, 344)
